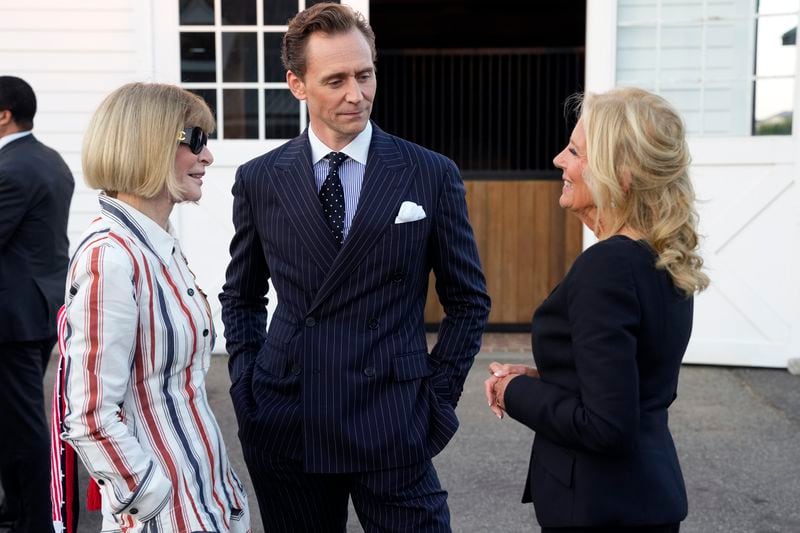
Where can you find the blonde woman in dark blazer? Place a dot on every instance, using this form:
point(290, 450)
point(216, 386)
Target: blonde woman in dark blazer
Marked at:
point(609, 340)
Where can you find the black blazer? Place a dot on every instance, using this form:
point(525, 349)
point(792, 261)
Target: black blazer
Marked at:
point(608, 343)
point(343, 380)
point(35, 193)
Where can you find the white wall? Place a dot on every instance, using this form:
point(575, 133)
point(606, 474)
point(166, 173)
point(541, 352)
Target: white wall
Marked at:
point(73, 54)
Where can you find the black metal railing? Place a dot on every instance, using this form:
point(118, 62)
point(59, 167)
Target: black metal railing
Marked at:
point(498, 113)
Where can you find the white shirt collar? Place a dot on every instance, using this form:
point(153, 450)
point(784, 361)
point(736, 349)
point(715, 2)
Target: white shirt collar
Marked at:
point(162, 241)
point(13, 137)
point(358, 149)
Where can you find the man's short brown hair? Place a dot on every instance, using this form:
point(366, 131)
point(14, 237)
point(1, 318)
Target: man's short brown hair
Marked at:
point(327, 18)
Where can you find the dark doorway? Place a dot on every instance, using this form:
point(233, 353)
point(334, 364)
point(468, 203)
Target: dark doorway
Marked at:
point(485, 84)
point(482, 82)
point(478, 23)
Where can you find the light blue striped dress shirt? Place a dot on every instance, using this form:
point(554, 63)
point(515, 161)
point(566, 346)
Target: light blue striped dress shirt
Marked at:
point(351, 172)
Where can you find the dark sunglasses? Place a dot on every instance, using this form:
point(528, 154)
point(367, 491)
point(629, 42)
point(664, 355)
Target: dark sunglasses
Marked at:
point(194, 137)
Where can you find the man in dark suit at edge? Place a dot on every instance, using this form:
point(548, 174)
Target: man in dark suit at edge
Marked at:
point(340, 397)
point(35, 193)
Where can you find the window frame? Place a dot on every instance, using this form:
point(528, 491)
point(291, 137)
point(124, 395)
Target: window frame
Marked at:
point(260, 85)
point(704, 82)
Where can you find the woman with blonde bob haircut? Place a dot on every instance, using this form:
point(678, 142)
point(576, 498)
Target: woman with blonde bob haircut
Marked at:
point(609, 340)
point(137, 332)
point(129, 145)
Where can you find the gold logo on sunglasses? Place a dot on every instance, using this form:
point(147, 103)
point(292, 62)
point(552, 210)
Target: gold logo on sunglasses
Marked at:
point(182, 135)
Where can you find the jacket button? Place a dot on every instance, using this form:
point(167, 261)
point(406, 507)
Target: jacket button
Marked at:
point(398, 277)
point(374, 323)
point(190, 292)
point(73, 291)
point(369, 371)
point(296, 369)
point(311, 322)
point(205, 333)
point(133, 510)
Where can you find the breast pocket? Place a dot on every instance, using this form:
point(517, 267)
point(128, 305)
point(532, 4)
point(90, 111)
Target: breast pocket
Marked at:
point(410, 234)
point(410, 366)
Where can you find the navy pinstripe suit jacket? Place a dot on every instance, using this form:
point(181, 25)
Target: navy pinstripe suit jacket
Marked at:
point(343, 381)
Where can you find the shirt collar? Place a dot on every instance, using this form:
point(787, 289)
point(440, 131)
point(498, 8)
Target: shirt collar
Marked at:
point(160, 241)
point(13, 137)
point(358, 149)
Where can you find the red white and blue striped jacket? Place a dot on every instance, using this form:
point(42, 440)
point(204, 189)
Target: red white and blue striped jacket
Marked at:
point(137, 346)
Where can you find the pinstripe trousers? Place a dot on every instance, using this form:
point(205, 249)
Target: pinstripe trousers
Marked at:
point(404, 499)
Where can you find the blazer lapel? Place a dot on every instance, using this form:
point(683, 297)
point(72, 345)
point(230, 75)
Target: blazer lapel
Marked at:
point(297, 191)
point(386, 179)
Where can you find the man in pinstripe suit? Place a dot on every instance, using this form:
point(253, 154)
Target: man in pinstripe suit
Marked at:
point(340, 397)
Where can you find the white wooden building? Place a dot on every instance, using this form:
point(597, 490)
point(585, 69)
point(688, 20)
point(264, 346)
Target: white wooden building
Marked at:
point(718, 61)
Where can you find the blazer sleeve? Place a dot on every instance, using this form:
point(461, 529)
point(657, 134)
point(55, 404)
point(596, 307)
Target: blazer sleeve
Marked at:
point(243, 297)
point(102, 323)
point(604, 316)
point(460, 286)
point(15, 196)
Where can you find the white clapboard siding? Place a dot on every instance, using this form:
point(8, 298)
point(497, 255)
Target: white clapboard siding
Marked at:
point(74, 54)
point(60, 19)
point(750, 224)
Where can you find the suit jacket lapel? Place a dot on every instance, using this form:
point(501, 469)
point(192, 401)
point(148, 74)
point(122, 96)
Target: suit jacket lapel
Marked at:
point(297, 190)
point(386, 179)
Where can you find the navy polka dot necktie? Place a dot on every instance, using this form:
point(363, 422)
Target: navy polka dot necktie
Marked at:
point(331, 196)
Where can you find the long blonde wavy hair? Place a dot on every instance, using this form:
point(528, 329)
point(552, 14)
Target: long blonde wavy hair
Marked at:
point(638, 174)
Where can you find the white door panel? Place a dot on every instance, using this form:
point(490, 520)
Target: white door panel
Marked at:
point(749, 222)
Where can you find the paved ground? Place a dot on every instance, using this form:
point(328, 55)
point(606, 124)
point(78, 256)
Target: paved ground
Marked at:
point(737, 432)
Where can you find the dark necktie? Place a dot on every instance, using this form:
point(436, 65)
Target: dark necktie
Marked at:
point(331, 195)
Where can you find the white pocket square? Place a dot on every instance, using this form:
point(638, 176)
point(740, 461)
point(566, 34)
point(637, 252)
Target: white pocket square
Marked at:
point(409, 212)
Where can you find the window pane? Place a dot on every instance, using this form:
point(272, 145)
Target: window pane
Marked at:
point(278, 12)
point(197, 57)
point(682, 51)
point(774, 54)
point(777, 6)
point(636, 47)
point(240, 12)
point(197, 12)
point(727, 10)
point(239, 57)
point(241, 113)
point(281, 114)
point(273, 69)
point(210, 96)
point(774, 100)
point(681, 11)
point(636, 11)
